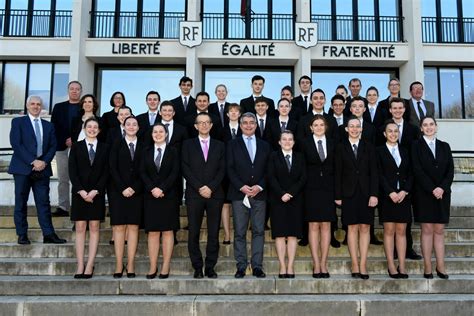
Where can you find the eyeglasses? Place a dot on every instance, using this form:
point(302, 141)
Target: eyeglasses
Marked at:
point(203, 123)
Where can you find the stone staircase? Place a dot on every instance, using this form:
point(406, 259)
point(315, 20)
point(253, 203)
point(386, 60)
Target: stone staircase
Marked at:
point(37, 279)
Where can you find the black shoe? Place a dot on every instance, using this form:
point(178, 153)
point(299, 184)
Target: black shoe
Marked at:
point(23, 240)
point(53, 239)
point(411, 254)
point(316, 275)
point(364, 276)
point(282, 276)
point(428, 275)
point(226, 242)
point(290, 276)
point(355, 275)
point(441, 275)
point(131, 275)
point(325, 275)
point(393, 276)
point(60, 213)
point(111, 242)
point(88, 276)
point(198, 274)
point(335, 243)
point(210, 273)
point(401, 275)
point(79, 276)
point(375, 241)
point(257, 272)
point(118, 275)
point(152, 276)
point(163, 276)
point(239, 274)
point(303, 242)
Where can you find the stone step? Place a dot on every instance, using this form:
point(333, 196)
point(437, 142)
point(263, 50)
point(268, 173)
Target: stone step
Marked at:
point(65, 222)
point(228, 285)
point(40, 250)
point(35, 234)
point(255, 305)
point(225, 266)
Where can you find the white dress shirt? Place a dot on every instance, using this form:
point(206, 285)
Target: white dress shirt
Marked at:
point(155, 154)
point(32, 119)
point(170, 127)
point(323, 139)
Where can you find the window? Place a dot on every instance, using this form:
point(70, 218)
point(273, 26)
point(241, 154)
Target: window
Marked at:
point(328, 80)
point(20, 79)
point(238, 82)
point(135, 83)
point(452, 91)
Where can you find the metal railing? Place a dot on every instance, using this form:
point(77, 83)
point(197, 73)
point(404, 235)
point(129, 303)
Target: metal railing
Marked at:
point(254, 26)
point(109, 24)
point(359, 28)
point(447, 30)
point(35, 23)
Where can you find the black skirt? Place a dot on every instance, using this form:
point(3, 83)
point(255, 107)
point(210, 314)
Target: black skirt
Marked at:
point(356, 210)
point(125, 211)
point(85, 211)
point(390, 212)
point(320, 206)
point(160, 214)
point(286, 218)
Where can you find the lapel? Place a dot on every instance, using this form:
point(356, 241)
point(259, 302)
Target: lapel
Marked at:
point(314, 148)
point(198, 149)
point(350, 152)
point(283, 162)
point(243, 147)
point(388, 154)
point(428, 149)
point(30, 128)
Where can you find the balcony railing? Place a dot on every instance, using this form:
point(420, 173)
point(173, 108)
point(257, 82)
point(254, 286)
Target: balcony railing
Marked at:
point(447, 30)
point(359, 28)
point(254, 26)
point(35, 23)
point(107, 24)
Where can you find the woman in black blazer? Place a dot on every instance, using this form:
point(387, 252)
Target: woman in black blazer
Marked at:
point(159, 169)
point(396, 182)
point(286, 177)
point(109, 119)
point(88, 172)
point(319, 193)
point(126, 196)
point(356, 191)
point(89, 107)
point(434, 172)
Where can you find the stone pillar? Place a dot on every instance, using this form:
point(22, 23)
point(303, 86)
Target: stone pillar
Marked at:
point(303, 65)
point(81, 68)
point(193, 65)
point(413, 69)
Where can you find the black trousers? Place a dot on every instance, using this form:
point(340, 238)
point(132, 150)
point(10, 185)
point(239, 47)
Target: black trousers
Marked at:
point(195, 209)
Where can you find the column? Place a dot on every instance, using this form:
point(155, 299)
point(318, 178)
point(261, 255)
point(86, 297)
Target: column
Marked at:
point(193, 65)
point(303, 65)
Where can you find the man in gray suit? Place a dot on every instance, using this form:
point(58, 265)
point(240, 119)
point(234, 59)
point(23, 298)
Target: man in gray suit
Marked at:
point(419, 108)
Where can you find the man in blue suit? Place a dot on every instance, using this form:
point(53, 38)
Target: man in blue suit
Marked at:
point(34, 145)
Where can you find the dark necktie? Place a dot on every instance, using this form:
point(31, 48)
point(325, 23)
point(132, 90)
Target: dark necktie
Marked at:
point(234, 134)
point(158, 160)
point(420, 110)
point(221, 113)
point(283, 126)
point(262, 126)
point(321, 150)
point(185, 103)
point(167, 133)
point(288, 163)
point(39, 140)
point(91, 153)
point(355, 150)
point(123, 133)
point(306, 103)
point(132, 150)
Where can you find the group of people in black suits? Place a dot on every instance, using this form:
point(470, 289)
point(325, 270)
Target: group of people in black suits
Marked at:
point(292, 163)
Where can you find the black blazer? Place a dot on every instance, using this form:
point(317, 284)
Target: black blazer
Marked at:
point(321, 174)
point(241, 171)
point(369, 133)
point(82, 174)
point(214, 109)
point(304, 130)
point(248, 105)
point(274, 129)
point(199, 172)
point(226, 133)
point(410, 134)
point(267, 136)
point(180, 113)
point(144, 124)
point(390, 174)
point(114, 135)
point(109, 121)
point(192, 131)
point(62, 123)
point(166, 178)
point(124, 171)
point(380, 117)
point(280, 180)
point(180, 134)
point(299, 108)
point(431, 172)
point(352, 173)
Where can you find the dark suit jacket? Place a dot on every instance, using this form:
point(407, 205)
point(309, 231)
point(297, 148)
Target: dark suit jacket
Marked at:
point(380, 117)
point(321, 174)
point(82, 174)
point(369, 133)
point(352, 173)
point(280, 180)
point(298, 107)
point(226, 133)
point(242, 171)
point(248, 105)
point(274, 129)
point(62, 122)
point(144, 124)
point(124, 171)
point(430, 111)
point(166, 178)
point(266, 132)
point(180, 113)
point(410, 134)
point(109, 121)
point(304, 130)
point(23, 142)
point(199, 172)
point(192, 131)
point(214, 109)
point(114, 135)
point(390, 174)
point(180, 134)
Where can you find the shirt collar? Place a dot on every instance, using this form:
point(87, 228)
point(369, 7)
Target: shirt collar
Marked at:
point(287, 153)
